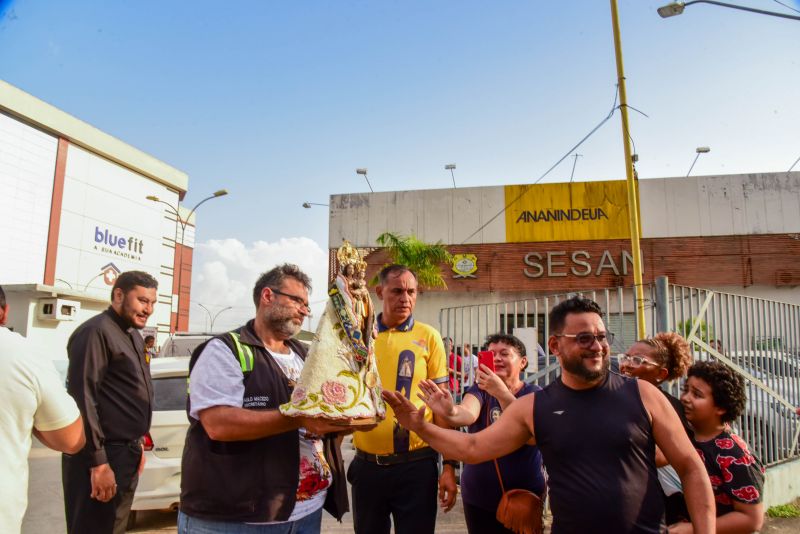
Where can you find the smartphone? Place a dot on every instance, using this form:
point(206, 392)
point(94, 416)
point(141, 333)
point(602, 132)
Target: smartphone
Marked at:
point(486, 357)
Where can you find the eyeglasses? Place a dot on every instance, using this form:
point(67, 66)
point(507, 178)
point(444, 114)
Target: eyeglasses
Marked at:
point(301, 303)
point(587, 339)
point(635, 360)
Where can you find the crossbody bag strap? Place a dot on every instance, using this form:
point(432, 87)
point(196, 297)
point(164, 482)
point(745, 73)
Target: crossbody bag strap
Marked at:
point(496, 465)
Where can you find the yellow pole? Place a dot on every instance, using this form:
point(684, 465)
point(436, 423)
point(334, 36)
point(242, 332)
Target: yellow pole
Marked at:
point(633, 197)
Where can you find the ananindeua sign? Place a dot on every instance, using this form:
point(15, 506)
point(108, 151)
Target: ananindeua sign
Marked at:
point(578, 211)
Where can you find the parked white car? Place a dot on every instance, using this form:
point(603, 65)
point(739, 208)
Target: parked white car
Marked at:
point(160, 483)
point(182, 344)
point(768, 425)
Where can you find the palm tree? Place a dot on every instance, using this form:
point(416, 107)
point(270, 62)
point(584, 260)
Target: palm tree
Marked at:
point(420, 257)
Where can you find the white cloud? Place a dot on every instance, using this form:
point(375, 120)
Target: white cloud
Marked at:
point(224, 272)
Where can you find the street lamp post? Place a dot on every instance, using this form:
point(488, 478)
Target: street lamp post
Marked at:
point(699, 150)
point(308, 205)
point(633, 196)
point(363, 172)
point(676, 8)
point(183, 222)
point(451, 167)
point(213, 318)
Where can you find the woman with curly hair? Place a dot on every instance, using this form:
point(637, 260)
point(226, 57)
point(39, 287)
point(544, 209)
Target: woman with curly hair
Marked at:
point(713, 396)
point(663, 358)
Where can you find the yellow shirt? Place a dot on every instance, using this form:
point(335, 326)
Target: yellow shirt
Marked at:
point(406, 354)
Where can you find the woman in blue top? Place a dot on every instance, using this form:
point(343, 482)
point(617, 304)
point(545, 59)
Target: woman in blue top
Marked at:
point(482, 405)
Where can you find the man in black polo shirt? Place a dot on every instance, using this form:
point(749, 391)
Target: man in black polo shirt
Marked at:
point(597, 431)
point(110, 382)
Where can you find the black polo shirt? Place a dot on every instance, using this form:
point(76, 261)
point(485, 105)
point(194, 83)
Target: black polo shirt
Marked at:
point(110, 381)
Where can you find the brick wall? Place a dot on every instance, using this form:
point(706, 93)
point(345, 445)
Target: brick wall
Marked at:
point(771, 260)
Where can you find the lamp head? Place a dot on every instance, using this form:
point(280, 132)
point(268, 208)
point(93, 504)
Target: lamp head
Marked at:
point(702, 150)
point(306, 205)
point(361, 171)
point(670, 10)
point(221, 193)
point(450, 166)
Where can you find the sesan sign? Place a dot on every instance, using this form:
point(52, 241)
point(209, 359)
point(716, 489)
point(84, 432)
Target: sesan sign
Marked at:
point(559, 263)
point(579, 211)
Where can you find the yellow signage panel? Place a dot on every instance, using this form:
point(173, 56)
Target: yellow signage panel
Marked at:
point(579, 211)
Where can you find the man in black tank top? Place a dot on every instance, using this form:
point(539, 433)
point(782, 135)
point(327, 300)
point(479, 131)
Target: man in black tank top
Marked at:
point(597, 432)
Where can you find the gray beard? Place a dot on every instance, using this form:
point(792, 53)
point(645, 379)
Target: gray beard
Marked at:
point(285, 327)
point(279, 320)
point(578, 369)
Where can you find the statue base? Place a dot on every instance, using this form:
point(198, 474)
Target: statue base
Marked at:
point(360, 421)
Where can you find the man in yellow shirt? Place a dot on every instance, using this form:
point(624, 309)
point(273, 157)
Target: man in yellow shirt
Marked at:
point(394, 472)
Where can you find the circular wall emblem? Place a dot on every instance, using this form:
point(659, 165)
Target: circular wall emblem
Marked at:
point(465, 265)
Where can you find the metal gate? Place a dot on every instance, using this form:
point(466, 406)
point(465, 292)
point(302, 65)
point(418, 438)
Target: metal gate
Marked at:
point(468, 327)
point(758, 338)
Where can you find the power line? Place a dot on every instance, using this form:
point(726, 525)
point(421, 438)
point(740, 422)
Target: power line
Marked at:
point(556, 164)
point(574, 163)
point(784, 5)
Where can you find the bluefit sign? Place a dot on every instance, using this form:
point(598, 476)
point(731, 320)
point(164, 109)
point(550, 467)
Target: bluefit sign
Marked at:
point(124, 247)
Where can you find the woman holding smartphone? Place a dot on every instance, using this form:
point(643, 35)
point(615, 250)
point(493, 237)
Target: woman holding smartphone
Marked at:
point(481, 406)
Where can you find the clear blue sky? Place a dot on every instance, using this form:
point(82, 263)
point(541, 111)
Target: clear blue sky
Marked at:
point(279, 102)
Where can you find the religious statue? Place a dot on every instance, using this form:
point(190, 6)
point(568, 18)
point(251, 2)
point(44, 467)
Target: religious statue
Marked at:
point(340, 378)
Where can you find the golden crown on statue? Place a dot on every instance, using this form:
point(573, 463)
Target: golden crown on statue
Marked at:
point(348, 255)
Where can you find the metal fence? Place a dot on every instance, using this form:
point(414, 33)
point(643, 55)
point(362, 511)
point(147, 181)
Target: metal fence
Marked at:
point(760, 339)
point(528, 320)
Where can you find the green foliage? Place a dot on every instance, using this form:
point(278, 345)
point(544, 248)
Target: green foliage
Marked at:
point(422, 258)
point(784, 510)
point(704, 332)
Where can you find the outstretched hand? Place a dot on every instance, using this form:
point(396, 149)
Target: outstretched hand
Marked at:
point(438, 400)
point(407, 414)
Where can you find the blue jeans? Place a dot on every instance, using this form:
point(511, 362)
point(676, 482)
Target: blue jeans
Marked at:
point(309, 524)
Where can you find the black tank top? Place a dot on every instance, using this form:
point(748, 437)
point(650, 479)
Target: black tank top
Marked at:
point(599, 452)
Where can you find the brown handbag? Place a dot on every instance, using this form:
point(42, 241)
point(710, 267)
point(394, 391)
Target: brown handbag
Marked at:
point(520, 511)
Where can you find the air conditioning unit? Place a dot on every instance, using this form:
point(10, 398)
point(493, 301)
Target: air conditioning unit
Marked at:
point(57, 309)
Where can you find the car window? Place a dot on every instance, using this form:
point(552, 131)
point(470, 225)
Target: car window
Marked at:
point(169, 393)
point(776, 367)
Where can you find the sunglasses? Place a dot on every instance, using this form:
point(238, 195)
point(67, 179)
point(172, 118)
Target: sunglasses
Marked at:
point(586, 339)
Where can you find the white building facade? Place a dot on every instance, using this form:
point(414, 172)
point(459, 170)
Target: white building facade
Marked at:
point(75, 213)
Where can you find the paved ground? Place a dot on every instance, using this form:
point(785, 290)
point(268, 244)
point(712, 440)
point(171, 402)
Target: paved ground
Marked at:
point(45, 513)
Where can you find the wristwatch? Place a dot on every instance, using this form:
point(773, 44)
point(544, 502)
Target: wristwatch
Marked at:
point(451, 463)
